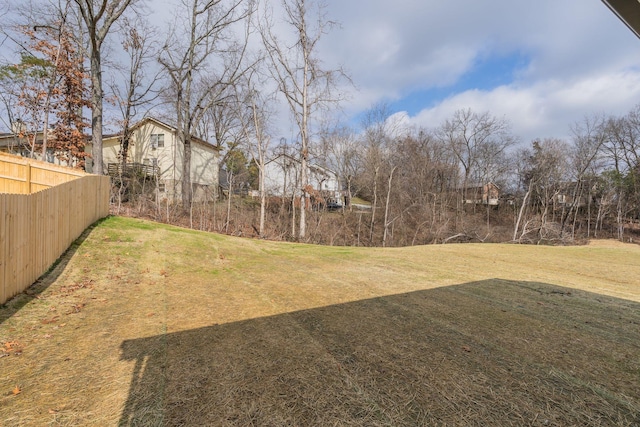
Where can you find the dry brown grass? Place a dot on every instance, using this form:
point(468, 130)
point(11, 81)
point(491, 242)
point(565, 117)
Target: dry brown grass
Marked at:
point(146, 324)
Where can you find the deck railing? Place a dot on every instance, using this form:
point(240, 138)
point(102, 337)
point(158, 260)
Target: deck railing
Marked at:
point(132, 169)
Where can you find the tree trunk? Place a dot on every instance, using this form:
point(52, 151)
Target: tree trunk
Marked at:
point(126, 133)
point(358, 232)
point(263, 199)
point(302, 228)
point(521, 213)
point(375, 203)
point(349, 194)
point(226, 225)
point(619, 219)
point(96, 111)
point(386, 209)
point(488, 215)
point(589, 213)
point(304, 135)
point(47, 101)
point(186, 173)
point(293, 216)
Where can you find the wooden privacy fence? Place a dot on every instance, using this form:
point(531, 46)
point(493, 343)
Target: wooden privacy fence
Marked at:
point(25, 176)
point(50, 208)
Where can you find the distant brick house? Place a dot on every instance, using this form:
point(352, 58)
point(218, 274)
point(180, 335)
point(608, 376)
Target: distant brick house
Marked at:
point(481, 194)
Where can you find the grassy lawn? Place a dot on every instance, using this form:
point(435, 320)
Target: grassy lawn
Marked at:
point(148, 324)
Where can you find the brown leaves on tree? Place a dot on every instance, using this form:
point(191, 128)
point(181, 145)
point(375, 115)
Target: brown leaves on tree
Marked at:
point(52, 79)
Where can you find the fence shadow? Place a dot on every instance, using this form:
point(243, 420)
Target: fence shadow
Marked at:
point(13, 305)
point(485, 353)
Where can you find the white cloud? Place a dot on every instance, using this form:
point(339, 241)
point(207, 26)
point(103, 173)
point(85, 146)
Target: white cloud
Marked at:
point(582, 60)
point(545, 108)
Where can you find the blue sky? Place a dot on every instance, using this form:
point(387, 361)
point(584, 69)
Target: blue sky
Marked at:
point(542, 65)
point(485, 74)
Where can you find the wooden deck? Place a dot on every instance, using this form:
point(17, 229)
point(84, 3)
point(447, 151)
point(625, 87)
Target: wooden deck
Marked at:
point(132, 169)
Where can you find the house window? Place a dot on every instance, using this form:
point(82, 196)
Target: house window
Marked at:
point(157, 140)
point(161, 187)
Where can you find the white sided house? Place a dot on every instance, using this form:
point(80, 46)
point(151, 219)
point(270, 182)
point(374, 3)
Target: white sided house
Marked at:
point(282, 179)
point(154, 146)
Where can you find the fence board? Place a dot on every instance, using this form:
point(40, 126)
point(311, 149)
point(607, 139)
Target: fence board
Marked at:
point(3, 243)
point(39, 223)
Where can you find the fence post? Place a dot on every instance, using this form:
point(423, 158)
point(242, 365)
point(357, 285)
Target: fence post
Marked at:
point(28, 179)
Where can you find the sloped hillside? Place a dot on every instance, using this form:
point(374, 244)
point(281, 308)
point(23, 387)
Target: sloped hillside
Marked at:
point(146, 324)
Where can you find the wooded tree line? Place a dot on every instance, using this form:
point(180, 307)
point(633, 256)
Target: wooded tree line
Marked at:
point(428, 185)
point(219, 71)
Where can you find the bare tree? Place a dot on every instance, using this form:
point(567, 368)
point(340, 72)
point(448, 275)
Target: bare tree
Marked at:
point(622, 149)
point(381, 134)
point(425, 176)
point(305, 85)
point(223, 122)
point(588, 138)
point(630, 143)
point(99, 16)
point(477, 140)
point(200, 34)
point(340, 151)
point(544, 176)
point(255, 100)
point(387, 221)
point(134, 86)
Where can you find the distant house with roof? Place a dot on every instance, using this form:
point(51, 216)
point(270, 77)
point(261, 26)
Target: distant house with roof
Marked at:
point(283, 174)
point(481, 194)
point(29, 144)
point(155, 149)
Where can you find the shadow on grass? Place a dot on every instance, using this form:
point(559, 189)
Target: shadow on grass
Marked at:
point(486, 353)
point(12, 306)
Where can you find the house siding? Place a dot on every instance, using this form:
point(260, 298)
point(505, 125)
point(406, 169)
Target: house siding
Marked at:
point(204, 159)
point(282, 175)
